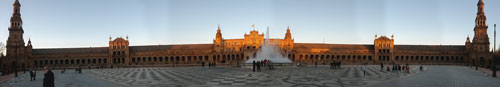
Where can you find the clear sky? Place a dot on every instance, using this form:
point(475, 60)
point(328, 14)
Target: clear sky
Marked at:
point(85, 23)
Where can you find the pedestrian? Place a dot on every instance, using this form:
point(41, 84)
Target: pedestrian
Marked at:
point(316, 64)
point(31, 75)
point(34, 74)
point(381, 66)
point(48, 79)
point(364, 70)
point(210, 64)
point(340, 64)
point(62, 70)
point(269, 65)
point(253, 66)
point(258, 66)
point(399, 68)
point(421, 68)
point(331, 64)
point(407, 69)
point(388, 70)
point(202, 64)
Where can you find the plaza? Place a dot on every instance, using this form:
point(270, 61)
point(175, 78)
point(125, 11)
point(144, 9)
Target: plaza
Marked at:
point(284, 76)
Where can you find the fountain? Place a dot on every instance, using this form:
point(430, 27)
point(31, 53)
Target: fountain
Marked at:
point(269, 52)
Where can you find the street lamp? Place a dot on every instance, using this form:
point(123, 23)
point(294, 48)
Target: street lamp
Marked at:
point(15, 64)
point(494, 68)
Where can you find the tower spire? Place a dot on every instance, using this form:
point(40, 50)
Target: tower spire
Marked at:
point(16, 21)
point(288, 35)
point(219, 34)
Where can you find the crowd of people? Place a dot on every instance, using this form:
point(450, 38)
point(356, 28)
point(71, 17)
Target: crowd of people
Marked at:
point(256, 65)
point(397, 68)
point(210, 65)
point(335, 65)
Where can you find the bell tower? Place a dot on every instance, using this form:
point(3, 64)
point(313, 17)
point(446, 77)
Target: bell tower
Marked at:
point(17, 56)
point(15, 40)
point(479, 52)
point(481, 41)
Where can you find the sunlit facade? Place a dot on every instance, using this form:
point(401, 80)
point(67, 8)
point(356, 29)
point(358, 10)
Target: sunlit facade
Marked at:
point(224, 51)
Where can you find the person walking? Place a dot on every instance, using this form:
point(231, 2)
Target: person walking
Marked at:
point(388, 69)
point(331, 64)
point(258, 66)
point(381, 66)
point(34, 74)
point(399, 68)
point(48, 79)
point(340, 64)
point(407, 69)
point(364, 70)
point(316, 64)
point(203, 64)
point(31, 75)
point(421, 68)
point(253, 66)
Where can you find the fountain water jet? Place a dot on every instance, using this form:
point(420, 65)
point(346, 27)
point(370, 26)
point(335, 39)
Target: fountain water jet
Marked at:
point(269, 52)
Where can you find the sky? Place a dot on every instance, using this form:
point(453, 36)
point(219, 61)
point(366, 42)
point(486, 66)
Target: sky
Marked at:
point(90, 23)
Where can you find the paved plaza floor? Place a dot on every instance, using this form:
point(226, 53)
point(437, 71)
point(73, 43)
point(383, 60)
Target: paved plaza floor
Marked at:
point(310, 76)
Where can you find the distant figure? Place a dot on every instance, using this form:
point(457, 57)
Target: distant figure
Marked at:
point(404, 68)
point(331, 64)
point(381, 66)
point(253, 64)
point(421, 68)
point(399, 68)
point(394, 68)
point(407, 69)
point(62, 70)
point(202, 64)
point(79, 69)
point(48, 79)
point(31, 75)
point(316, 64)
point(34, 74)
point(258, 66)
point(476, 66)
point(340, 65)
point(364, 70)
point(388, 69)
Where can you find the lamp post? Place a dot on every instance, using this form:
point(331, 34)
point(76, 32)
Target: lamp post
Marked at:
point(15, 64)
point(494, 68)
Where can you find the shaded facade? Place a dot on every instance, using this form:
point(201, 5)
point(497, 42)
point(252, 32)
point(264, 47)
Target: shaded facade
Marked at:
point(235, 51)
